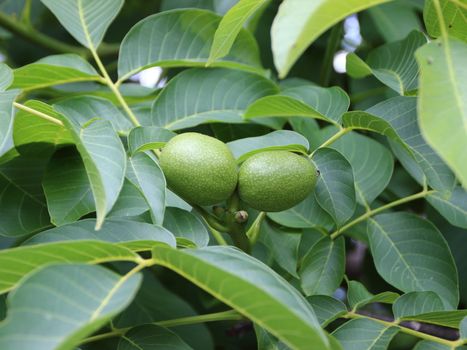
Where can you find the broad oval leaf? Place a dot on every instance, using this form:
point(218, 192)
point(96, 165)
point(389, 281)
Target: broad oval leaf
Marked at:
point(236, 278)
point(327, 308)
point(335, 190)
point(131, 234)
point(231, 25)
point(199, 96)
point(453, 207)
point(276, 140)
point(54, 70)
point(181, 38)
point(102, 153)
point(371, 162)
point(147, 176)
point(296, 26)
point(6, 76)
point(442, 107)
point(303, 101)
point(322, 268)
point(86, 20)
point(130, 202)
point(145, 138)
point(66, 188)
point(186, 225)
point(307, 214)
point(44, 303)
point(364, 334)
point(18, 262)
point(151, 337)
point(7, 112)
point(416, 303)
point(398, 241)
point(393, 64)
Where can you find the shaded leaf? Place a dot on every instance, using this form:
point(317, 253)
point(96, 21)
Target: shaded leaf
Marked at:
point(412, 255)
point(199, 96)
point(442, 111)
point(186, 43)
point(453, 208)
point(130, 202)
point(6, 119)
point(322, 268)
point(415, 303)
point(267, 341)
point(186, 225)
point(44, 303)
point(393, 64)
point(276, 140)
point(147, 176)
point(335, 190)
point(236, 279)
point(442, 318)
point(6, 76)
point(54, 70)
point(145, 138)
point(358, 296)
point(295, 27)
point(86, 20)
point(151, 337)
point(364, 334)
point(327, 308)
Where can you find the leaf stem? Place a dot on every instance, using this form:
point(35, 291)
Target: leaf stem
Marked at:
point(114, 88)
point(333, 139)
point(230, 315)
point(370, 213)
point(209, 219)
point(331, 47)
point(451, 343)
point(38, 114)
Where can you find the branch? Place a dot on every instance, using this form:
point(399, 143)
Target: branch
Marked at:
point(36, 37)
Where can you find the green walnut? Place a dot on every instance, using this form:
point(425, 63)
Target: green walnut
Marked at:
point(199, 168)
point(276, 180)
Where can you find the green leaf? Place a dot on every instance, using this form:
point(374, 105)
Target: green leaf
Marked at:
point(86, 20)
point(393, 64)
point(130, 202)
point(308, 128)
point(303, 101)
point(415, 303)
point(18, 262)
point(230, 26)
point(463, 328)
point(186, 225)
point(322, 268)
point(267, 341)
point(276, 140)
point(412, 255)
point(67, 188)
point(358, 296)
point(283, 244)
point(371, 162)
point(199, 96)
point(327, 308)
point(442, 110)
point(453, 208)
point(7, 112)
point(182, 38)
point(236, 279)
point(306, 214)
point(395, 20)
point(54, 70)
point(364, 334)
point(147, 176)
point(22, 201)
point(102, 153)
point(145, 138)
point(454, 18)
point(130, 234)
point(155, 303)
point(335, 190)
point(44, 304)
point(450, 319)
point(86, 108)
point(397, 119)
point(6, 76)
point(429, 345)
point(151, 337)
point(296, 27)
point(29, 128)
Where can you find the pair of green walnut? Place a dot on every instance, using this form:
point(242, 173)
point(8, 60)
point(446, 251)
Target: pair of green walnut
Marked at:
point(203, 171)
